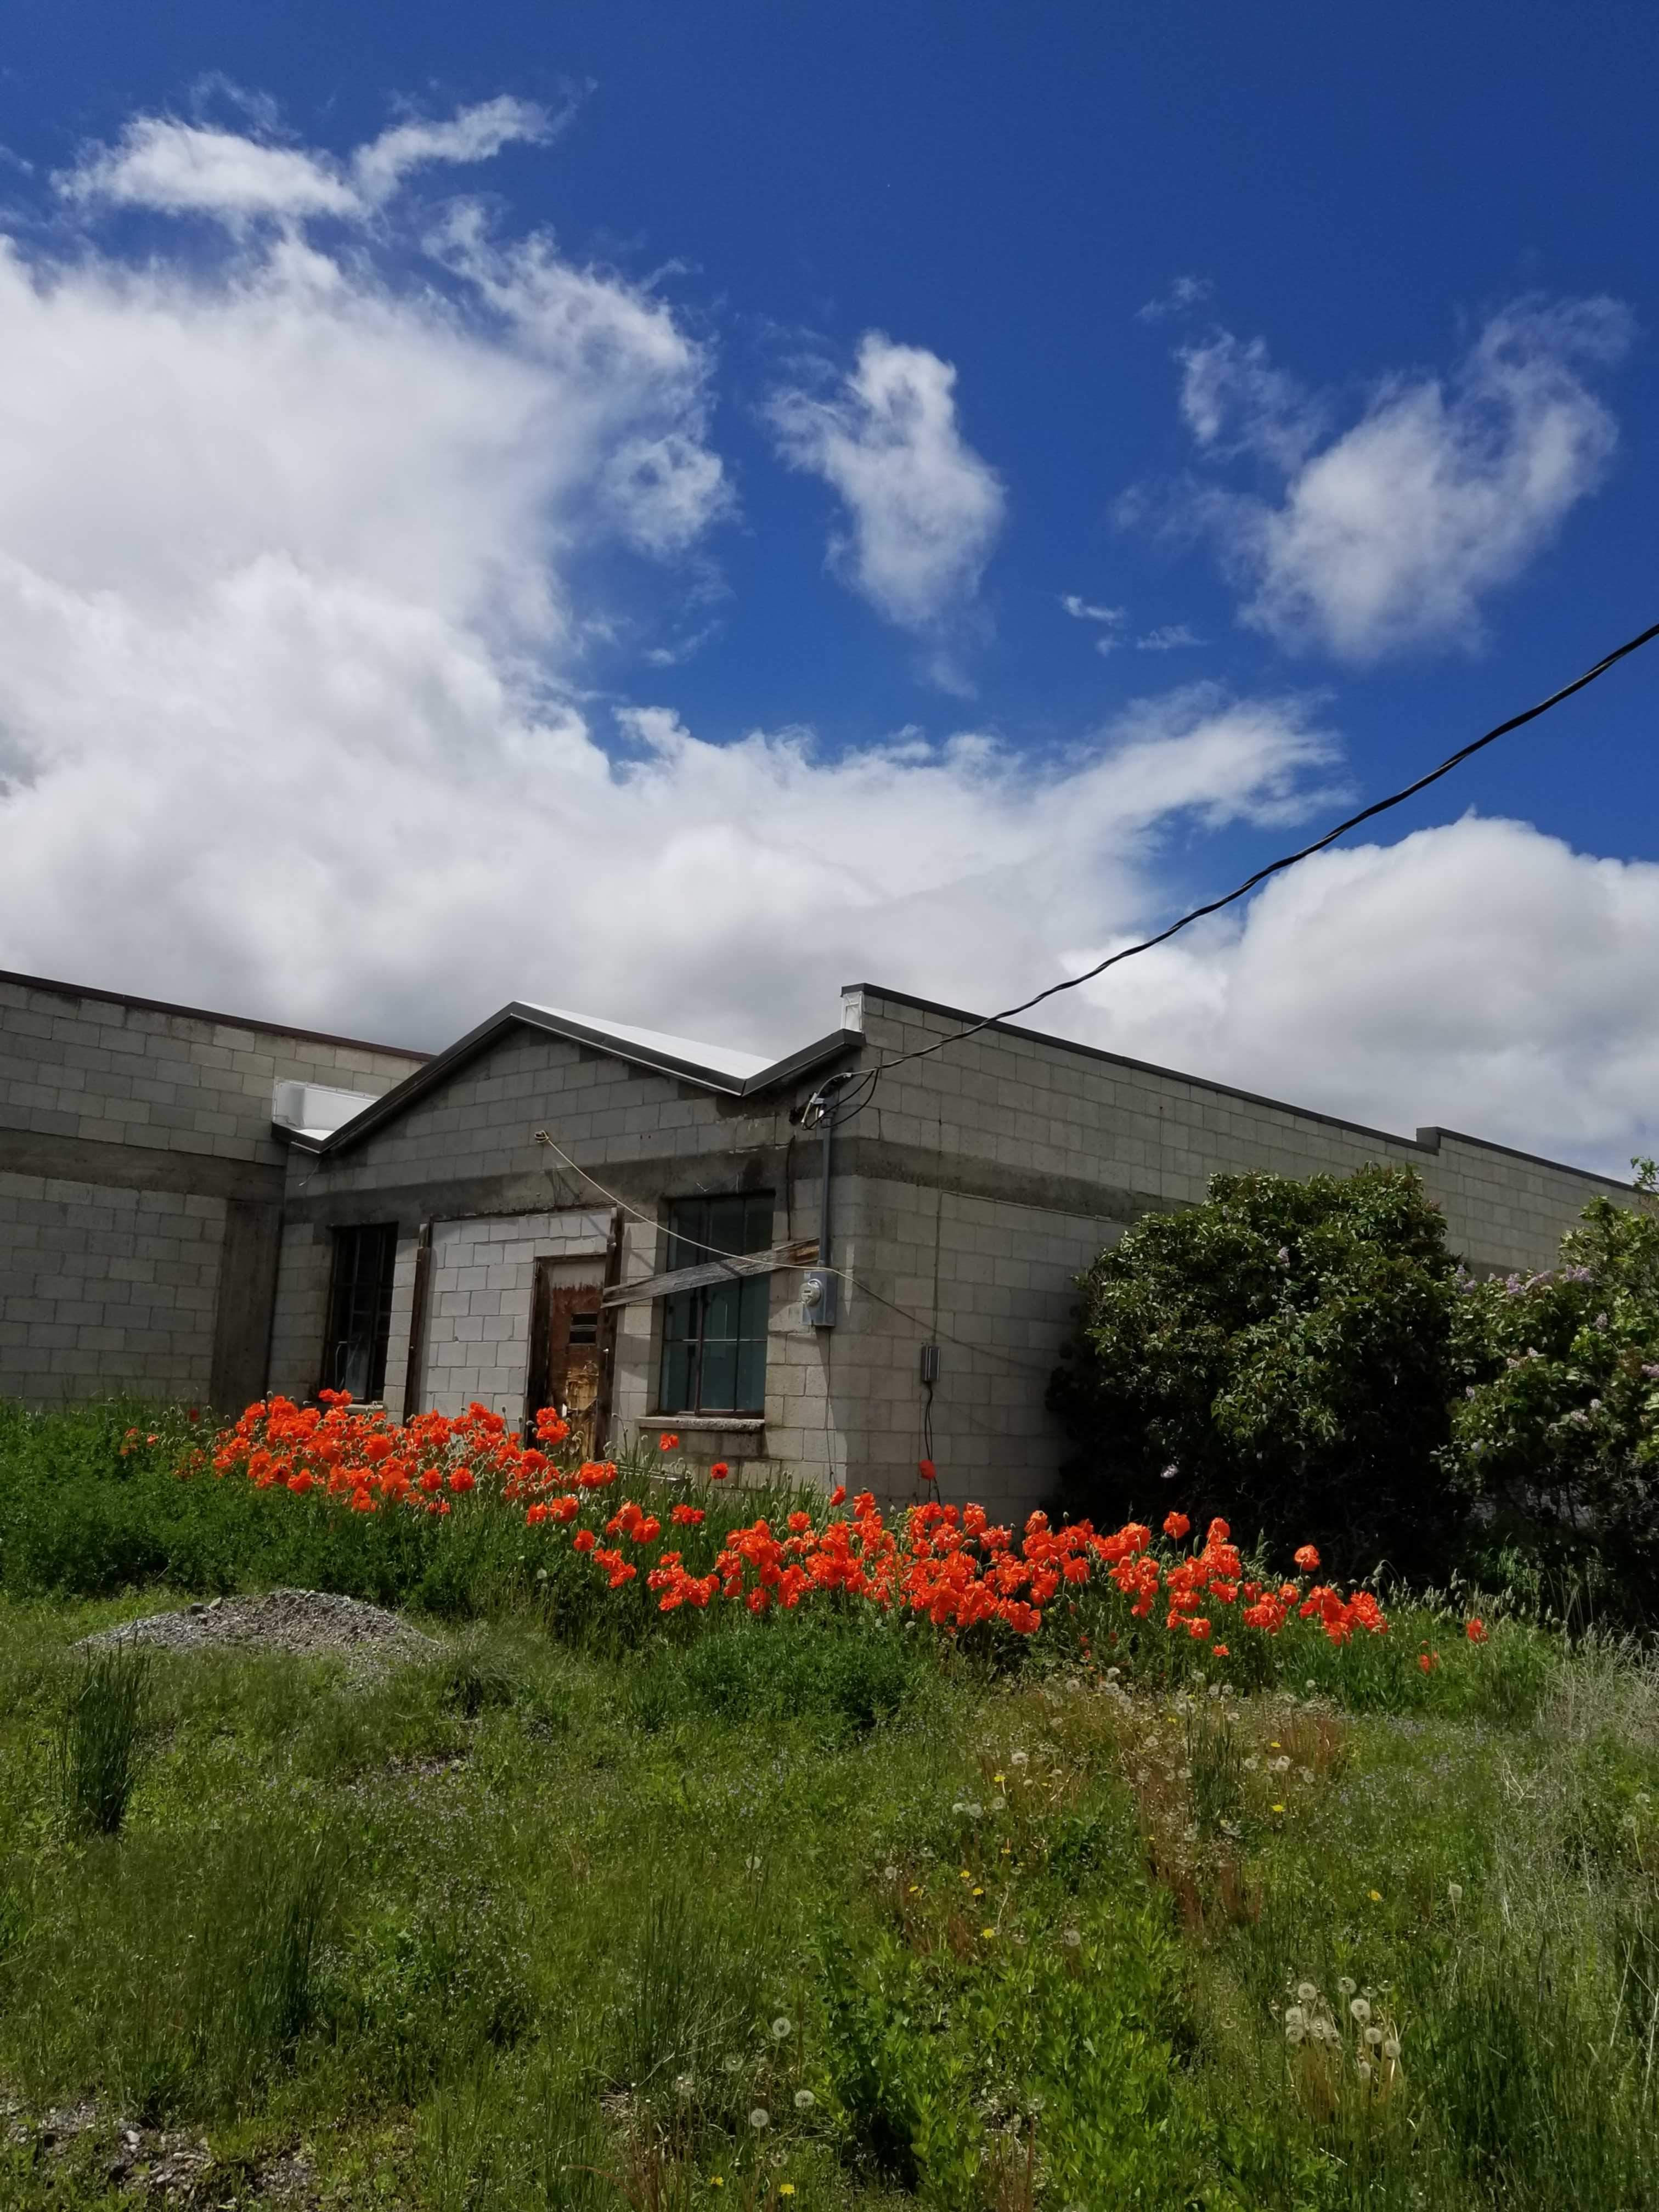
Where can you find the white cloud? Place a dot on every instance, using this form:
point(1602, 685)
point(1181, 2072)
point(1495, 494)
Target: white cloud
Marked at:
point(294, 584)
point(924, 508)
point(185, 169)
point(1169, 637)
point(1182, 296)
point(1391, 535)
point(1480, 976)
point(1234, 401)
point(1109, 619)
point(472, 134)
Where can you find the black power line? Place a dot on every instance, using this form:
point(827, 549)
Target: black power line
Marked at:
point(1273, 868)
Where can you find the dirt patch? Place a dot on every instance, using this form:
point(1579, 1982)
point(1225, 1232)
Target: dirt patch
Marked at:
point(83, 2145)
point(303, 1622)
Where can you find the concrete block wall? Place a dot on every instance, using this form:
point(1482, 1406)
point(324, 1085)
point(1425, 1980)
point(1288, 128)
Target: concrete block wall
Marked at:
point(1039, 1109)
point(482, 1280)
point(113, 1071)
point(1004, 1166)
point(993, 1284)
point(105, 1292)
point(126, 1126)
point(300, 1318)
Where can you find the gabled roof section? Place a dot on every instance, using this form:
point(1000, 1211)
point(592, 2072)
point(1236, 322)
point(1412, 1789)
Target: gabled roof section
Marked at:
point(711, 1067)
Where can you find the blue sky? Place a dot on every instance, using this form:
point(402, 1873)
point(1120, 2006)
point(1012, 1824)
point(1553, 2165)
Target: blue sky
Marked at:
point(1323, 343)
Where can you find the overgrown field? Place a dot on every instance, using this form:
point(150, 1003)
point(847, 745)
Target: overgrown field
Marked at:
point(794, 1908)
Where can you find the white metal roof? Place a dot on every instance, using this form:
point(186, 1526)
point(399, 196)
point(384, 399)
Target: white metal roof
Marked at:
point(721, 1058)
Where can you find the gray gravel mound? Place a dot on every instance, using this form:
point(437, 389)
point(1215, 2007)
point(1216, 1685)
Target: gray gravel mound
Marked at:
point(303, 1622)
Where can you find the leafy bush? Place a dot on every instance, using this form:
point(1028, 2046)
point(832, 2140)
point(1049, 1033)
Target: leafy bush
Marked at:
point(1287, 1348)
point(1556, 1440)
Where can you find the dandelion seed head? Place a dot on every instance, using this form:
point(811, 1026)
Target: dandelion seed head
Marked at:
point(1391, 2046)
point(1346, 1985)
point(760, 2119)
point(782, 2027)
point(805, 2100)
point(1359, 2010)
point(1306, 1992)
point(1455, 1891)
point(1364, 2069)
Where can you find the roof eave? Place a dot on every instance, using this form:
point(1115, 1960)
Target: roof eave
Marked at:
point(438, 1070)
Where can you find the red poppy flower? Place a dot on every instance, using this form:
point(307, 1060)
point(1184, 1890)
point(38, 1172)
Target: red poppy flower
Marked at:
point(668, 1441)
point(1476, 1631)
point(926, 1470)
point(719, 1472)
point(1175, 1525)
point(1306, 1557)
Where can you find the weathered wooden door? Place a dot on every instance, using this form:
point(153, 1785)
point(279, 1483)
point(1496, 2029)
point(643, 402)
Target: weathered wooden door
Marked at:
point(569, 1348)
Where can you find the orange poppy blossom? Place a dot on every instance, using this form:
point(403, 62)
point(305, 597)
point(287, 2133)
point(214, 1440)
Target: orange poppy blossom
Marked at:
point(950, 1565)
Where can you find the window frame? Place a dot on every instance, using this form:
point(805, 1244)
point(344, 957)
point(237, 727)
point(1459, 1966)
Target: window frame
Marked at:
point(358, 1309)
point(694, 1360)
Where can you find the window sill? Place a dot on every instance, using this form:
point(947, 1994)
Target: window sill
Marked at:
point(706, 1424)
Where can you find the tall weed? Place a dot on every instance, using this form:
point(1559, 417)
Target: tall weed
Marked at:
point(100, 1742)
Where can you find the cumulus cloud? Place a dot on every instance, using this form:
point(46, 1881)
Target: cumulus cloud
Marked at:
point(1390, 534)
point(923, 509)
point(173, 167)
point(1479, 976)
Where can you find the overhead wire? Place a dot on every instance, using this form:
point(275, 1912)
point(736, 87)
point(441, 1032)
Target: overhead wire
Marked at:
point(1277, 867)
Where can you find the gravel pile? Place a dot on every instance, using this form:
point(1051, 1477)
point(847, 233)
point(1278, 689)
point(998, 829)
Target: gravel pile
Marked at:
point(304, 1622)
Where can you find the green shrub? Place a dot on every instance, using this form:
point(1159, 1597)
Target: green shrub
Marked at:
point(1555, 1440)
point(1284, 1353)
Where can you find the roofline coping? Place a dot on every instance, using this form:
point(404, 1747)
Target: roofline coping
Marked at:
point(438, 1069)
point(202, 1014)
point(1426, 1140)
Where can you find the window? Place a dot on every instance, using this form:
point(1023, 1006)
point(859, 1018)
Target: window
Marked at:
point(360, 1310)
point(713, 1338)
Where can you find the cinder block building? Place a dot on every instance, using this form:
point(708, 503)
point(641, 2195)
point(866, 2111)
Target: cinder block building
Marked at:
point(141, 1188)
point(562, 1210)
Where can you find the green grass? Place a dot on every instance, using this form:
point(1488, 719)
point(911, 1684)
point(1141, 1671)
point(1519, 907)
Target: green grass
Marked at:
point(542, 1920)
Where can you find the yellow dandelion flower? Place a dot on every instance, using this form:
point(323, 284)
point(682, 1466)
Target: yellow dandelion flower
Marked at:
point(786, 2189)
point(988, 1931)
point(1376, 1897)
point(979, 1893)
point(999, 1777)
point(1278, 1808)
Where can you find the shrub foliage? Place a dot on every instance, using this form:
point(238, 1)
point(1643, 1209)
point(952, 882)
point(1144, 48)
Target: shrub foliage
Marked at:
point(1286, 1348)
point(1555, 1438)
